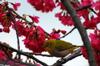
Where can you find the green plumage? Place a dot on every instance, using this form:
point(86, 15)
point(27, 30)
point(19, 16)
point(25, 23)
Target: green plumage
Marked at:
point(59, 45)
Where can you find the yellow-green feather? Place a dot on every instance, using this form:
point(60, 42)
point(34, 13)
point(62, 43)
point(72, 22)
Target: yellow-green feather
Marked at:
point(59, 45)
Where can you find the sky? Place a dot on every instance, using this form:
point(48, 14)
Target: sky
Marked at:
point(47, 22)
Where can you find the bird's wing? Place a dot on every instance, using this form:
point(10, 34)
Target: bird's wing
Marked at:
point(60, 48)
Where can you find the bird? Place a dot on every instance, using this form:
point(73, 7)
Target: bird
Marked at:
point(59, 48)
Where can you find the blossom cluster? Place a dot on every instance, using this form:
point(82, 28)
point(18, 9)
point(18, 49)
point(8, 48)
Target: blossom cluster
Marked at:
point(43, 5)
point(65, 19)
point(35, 39)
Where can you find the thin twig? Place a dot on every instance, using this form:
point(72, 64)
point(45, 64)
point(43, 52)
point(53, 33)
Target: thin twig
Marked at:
point(18, 42)
point(67, 33)
point(83, 7)
point(86, 7)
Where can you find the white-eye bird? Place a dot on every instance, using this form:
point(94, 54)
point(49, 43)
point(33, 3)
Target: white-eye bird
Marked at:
point(59, 48)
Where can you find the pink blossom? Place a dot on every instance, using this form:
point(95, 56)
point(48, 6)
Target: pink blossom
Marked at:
point(97, 19)
point(96, 5)
point(6, 29)
point(16, 5)
point(20, 28)
point(90, 24)
point(54, 35)
point(35, 39)
point(83, 13)
point(84, 52)
point(65, 19)
point(63, 31)
point(58, 14)
point(95, 41)
point(61, 6)
point(37, 64)
point(86, 2)
point(43, 5)
point(35, 19)
point(5, 22)
point(3, 56)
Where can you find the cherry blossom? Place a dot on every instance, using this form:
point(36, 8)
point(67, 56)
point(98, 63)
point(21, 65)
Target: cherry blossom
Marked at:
point(65, 19)
point(16, 5)
point(3, 56)
point(34, 19)
point(35, 39)
point(43, 5)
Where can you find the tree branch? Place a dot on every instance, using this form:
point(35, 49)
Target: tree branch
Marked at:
point(72, 56)
point(67, 33)
point(18, 42)
point(83, 7)
point(81, 30)
point(28, 64)
point(16, 31)
point(16, 62)
point(20, 52)
point(38, 54)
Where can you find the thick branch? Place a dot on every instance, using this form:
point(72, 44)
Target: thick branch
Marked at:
point(20, 52)
point(81, 30)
